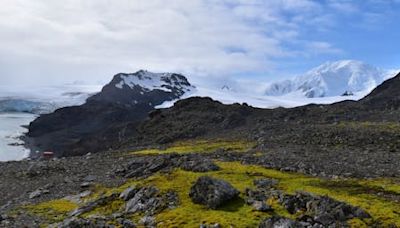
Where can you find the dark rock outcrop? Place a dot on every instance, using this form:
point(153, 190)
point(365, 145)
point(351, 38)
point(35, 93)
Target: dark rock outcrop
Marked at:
point(212, 192)
point(198, 164)
point(149, 201)
point(385, 96)
point(321, 210)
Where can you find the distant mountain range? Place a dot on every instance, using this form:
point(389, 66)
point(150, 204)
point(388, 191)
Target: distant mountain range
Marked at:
point(347, 77)
point(331, 82)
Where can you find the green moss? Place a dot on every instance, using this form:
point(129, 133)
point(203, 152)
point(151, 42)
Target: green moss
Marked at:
point(107, 210)
point(357, 223)
point(362, 193)
point(241, 215)
point(199, 146)
point(52, 211)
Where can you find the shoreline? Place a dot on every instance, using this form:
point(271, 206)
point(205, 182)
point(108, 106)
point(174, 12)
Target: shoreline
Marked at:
point(12, 143)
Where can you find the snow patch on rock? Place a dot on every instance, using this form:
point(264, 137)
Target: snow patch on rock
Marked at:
point(149, 81)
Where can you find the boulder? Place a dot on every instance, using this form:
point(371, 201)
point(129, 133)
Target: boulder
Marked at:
point(211, 192)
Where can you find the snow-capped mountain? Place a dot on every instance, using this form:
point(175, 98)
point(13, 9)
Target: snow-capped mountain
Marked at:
point(147, 81)
point(144, 87)
point(345, 77)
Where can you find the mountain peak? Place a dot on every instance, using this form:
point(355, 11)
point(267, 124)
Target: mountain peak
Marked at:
point(148, 81)
point(332, 79)
point(144, 87)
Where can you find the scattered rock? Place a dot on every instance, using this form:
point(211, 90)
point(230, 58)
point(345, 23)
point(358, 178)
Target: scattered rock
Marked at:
point(212, 192)
point(86, 185)
point(79, 222)
point(126, 223)
point(146, 166)
point(93, 204)
point(148, 221)
point(128, 194)
point(265, 183)
point(89, 178)
point(38, 193)
point(261, 206)
point(322, 209)
point(199, 165)
point(145, 200)
point(78, 198)
point(280, 222)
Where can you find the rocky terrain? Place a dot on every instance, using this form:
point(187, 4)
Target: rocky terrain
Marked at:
point(201, 184)
point(205, 164)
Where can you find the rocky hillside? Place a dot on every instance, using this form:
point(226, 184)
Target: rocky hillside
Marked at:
point(108, 115)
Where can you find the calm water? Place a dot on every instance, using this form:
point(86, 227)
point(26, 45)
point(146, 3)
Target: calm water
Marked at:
point(10, 128)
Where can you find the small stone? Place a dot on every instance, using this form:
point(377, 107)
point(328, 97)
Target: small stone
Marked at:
point(265, 183)
point(85, 194)
point(35, 194)
point(325, 219)
point(148, 221)
point(127, 223)
point(89, 178)
point(128, 194)
point(261, 206)
point(86, 185)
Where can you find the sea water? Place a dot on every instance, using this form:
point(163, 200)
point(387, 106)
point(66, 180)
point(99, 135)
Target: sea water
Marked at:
point(10, 129)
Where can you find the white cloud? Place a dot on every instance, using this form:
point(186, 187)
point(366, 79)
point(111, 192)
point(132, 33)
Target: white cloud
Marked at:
point(46, 40)
point(320, 47)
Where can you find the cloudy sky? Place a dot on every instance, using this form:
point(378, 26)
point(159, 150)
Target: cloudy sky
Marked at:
point(48, 42)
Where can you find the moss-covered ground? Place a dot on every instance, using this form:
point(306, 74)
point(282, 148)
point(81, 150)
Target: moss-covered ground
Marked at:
point(201, 146)
point(376, 196)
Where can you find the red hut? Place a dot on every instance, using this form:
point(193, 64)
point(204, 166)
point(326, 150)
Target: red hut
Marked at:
point(48, 155)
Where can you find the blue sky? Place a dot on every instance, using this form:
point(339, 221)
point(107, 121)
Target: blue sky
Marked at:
point(50, 42)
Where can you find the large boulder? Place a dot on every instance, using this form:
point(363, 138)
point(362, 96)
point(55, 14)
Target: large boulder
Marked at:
point(212, 192)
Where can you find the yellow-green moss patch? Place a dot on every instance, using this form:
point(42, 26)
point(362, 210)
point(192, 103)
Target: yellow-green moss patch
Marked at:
point(199, 146)
point(52, 211)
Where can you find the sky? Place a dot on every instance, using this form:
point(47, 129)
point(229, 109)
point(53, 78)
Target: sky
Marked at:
point(53, 42)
